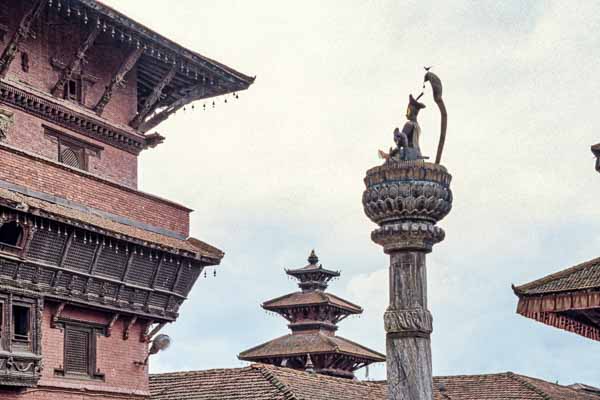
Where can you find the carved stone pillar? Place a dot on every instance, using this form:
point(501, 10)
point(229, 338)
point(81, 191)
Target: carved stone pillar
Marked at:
point(406, 199)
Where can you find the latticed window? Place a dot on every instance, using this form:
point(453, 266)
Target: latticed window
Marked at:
point(72, 156)
point(72, 151)
point(78, 350)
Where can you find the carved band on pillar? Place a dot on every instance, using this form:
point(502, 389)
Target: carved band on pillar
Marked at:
point(21, 34)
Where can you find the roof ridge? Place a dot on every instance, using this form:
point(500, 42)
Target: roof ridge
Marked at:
point(198, 371)
point(557, 275)
point(288, 394)
point(528, 385)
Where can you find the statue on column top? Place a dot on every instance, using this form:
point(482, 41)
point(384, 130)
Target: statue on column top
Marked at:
point(407, 139)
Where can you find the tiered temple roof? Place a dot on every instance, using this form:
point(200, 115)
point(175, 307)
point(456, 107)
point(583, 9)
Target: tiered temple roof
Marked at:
point(313, 316)
point(266, 382)
point(569, 299)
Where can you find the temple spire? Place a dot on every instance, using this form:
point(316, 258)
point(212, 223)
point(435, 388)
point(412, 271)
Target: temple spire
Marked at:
point(313, 315)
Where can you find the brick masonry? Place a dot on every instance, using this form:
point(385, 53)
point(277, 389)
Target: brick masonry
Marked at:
point(61, 44)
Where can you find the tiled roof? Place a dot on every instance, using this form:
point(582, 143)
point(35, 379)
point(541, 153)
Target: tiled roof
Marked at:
point(262, 382)
point(580, 277)
point(311, 343)
point(311, 298)
point(74, 216)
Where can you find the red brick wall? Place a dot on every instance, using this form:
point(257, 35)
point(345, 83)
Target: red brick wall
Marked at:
point(28, 133)
point(103, 61)
point(46, 176)
point(61, 41)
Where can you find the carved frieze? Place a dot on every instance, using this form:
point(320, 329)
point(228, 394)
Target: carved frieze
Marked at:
point(70, 119)
point(408, 236)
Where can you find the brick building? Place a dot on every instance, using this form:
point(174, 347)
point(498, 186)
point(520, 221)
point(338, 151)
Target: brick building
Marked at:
point(90, 267)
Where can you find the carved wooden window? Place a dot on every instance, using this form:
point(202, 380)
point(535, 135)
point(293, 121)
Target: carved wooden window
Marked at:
point(11, 234)
point(72, 151)
point(80, 350)
point(21, 327)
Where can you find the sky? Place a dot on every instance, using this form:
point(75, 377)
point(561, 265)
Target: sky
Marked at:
point(279, 171)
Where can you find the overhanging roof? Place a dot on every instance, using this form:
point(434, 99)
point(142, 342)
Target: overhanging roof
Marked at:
point(569, 299)
point(311, 298)
point(196, 77)
point(309, 343)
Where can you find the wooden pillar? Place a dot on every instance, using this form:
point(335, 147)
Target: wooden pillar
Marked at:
point(118, 79)
point(408, 326)
point(21, 34)
point(77, 60)
point(406, 200)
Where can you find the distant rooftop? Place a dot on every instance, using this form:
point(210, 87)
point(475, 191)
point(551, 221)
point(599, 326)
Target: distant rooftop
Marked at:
point(265, 382)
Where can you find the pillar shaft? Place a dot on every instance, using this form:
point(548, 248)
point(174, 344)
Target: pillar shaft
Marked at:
point(408, 326)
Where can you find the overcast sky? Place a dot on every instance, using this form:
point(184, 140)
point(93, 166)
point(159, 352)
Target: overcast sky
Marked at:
point(279, 171)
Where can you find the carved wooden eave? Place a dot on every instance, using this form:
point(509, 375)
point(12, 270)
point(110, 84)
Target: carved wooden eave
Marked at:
point(69, 262)
point(158, 56)
point(596, 151)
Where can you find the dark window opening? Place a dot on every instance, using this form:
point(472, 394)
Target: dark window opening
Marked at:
point(11, 234)
point(73, 90)
point(21, 323)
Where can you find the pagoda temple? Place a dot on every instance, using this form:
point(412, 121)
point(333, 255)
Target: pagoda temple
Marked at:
point(313, 315)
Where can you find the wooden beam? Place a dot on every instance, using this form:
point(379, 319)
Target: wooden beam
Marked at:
point(197, 93)
point(77, 60)
point(153, 98)
point(21, 34)
point(57, 314)
point(111, 325)
point(131, 322)
point(118, 79)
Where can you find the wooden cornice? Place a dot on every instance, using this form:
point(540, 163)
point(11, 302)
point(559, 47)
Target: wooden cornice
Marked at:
point(153, 98)
point(21, 34)
point(118, 79)
point(75, 64)
point(88, 125)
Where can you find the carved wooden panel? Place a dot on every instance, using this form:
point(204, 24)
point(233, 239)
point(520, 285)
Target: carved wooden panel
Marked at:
point(47, 246)
point(111, 262)
point(80, 255)
point(142, 270)
point(166, 275)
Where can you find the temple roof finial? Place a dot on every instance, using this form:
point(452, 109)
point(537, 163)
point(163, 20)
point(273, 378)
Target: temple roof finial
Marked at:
point(312, 258)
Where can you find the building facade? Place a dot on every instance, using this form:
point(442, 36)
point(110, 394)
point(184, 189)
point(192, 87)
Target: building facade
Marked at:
point(91, 268)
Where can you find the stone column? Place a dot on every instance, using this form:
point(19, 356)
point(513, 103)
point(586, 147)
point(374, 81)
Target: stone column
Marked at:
point(406, 199)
